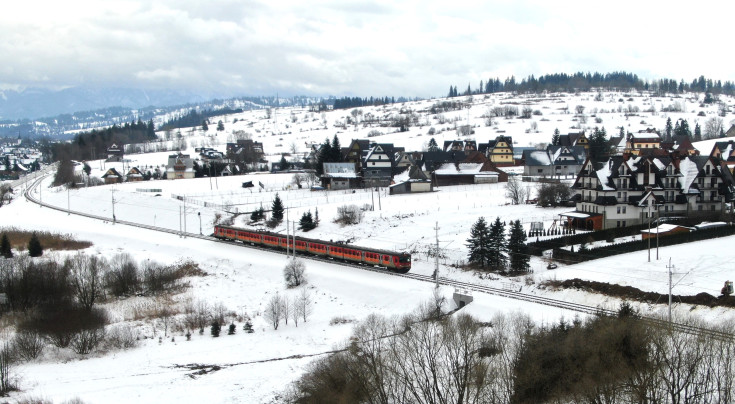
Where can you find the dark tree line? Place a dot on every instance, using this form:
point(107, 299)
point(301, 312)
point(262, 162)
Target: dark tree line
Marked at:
point(94, 144)
point(196, 118)
point(563, 82)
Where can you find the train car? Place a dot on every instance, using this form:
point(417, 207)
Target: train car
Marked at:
point(395, 261)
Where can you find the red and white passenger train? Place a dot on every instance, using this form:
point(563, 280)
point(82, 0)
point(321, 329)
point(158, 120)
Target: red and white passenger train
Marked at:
point(395, 261)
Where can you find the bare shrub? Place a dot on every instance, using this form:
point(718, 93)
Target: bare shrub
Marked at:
point(29, 283)
point(123, 277)
point(350, 214)
point(198, 315)
point(61, 326)
point(28, 344)
point(341, 320)
point(86, 277)
point(294, 273)
point(121, 337)
point(90, 331)
point(303, 304)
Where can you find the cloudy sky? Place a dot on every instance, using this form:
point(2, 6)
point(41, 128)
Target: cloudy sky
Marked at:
point(342, 47)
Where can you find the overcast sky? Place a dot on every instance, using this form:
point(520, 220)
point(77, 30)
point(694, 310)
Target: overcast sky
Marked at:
point(339, 47)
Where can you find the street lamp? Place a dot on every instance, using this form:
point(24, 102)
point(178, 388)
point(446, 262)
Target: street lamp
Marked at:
point(200, 222)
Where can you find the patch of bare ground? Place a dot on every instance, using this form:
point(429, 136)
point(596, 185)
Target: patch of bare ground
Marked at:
point(631, 293)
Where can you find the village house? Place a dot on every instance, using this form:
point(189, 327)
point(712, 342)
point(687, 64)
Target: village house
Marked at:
point(134, 175)
point(111, 176)
point(411, 180)
point(180, 166)
point(554, 162)
point(630, 190)
point(340, 176)
point(499, 151)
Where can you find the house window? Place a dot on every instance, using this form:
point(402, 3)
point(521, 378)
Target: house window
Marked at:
point(624, 208)
point(712, 208)
point(540, 170)
point(618, 223)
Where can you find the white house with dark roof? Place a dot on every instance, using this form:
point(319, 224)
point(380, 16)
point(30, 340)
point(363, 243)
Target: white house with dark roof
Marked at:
point(629, 190)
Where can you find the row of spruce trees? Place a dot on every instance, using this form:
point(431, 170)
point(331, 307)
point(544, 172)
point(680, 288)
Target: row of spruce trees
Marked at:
point(490, 250)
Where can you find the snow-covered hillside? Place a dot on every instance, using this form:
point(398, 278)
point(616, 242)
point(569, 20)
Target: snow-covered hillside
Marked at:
point(256, 367)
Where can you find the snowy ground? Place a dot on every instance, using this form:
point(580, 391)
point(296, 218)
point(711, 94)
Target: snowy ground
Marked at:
point(244, 279)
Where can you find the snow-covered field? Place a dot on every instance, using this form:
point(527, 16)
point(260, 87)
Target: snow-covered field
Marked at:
point(256, 367)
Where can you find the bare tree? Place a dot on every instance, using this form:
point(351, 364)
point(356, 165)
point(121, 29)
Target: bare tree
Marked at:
point(299, 179)
point(304, 305)
point(86, 277)
point(273, 311)
point(515, 191)
point(6, 366)
point(286, 309)
point(295, 313)
point(294, 273)
point(712, 128)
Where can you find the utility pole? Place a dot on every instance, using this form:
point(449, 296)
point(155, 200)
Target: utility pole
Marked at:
point(179, 221)
point(200, 222)
point(287, 233)
point(68, 202)
point(649, 231)
point(436, 258)
point(184, 216)
point(670, 267)
point(114, 219)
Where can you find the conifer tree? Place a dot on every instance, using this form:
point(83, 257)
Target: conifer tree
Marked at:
point(669, 129)
point(307, 222)
point(5, 249)
point(205, 126)
point(556, 138)
point(517, 248)
point(479, 243)
point(277, 209)
point(336, 155)
point(34, 246)
point(325, 152)
point(697, 132)
point(498, 259)
point(433, 146)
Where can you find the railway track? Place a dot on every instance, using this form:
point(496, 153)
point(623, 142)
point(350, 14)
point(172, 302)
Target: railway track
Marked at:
point(509, 294)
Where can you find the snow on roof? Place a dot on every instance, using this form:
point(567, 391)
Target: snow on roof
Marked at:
point(556, 154)
point(603, 174)
point(662, 228)
point(461, 169)
point(576, 214)
point(689, 171)
point(402, 176)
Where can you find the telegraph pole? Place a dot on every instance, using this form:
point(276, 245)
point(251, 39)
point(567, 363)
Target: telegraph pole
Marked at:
point(112, 191)
point(436, 258)
point(670, 267)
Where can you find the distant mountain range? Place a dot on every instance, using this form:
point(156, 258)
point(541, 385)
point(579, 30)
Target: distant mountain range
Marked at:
point(35, 113)
point(37, 103)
